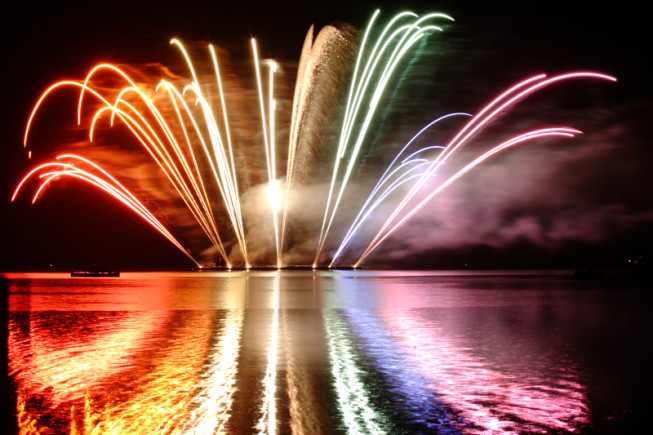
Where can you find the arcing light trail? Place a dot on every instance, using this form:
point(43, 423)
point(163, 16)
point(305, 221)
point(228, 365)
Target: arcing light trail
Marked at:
point(173, 150)
point(557, 131)
point(187, 133)
point(96, 176)
point(384, 58)
point(486, 115)
point(402, 174)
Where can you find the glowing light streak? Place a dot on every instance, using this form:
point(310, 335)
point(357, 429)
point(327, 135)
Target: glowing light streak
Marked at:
point(273, 166)
point(503, 101)
point(268, 421)
point(409, 35)
point(560, 131)
point(231, 155)
point(88, 79)
point(214, 57)
point(45, 94)
point(104, 181)
point(268, 139)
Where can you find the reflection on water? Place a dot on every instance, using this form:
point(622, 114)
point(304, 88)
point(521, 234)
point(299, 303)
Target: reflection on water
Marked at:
point(324, 352)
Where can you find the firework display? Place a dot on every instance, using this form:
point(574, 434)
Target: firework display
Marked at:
point(187, 130)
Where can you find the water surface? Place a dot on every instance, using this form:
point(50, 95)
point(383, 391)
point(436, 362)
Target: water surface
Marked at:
point(327, 352)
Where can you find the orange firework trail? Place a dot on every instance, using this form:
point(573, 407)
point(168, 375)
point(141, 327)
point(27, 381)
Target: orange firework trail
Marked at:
point(176, 143)
point(77, 167)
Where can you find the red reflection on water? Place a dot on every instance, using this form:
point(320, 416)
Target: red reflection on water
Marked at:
point(131, 292)
point(134, 374)
point(117, 370)
point(64, 355)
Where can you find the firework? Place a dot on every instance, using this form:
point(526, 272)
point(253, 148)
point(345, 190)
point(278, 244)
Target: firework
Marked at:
point(186, 131)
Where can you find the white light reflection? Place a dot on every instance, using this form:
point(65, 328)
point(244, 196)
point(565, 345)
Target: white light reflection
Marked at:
point(214, 397)
point(268, 420)
point(354, 402)
point(404, 380)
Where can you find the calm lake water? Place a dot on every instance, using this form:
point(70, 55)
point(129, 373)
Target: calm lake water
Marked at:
point(327, 352)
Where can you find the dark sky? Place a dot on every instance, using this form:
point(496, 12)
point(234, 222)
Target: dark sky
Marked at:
point(492, 44)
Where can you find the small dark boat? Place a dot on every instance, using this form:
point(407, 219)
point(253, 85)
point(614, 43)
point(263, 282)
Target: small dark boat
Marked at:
point(83, 271)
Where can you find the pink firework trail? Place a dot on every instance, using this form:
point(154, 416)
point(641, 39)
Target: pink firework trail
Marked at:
point(485, 116)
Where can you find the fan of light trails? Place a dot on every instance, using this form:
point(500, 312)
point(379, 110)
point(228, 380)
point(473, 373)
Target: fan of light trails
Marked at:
point(556, 131)
point(485, 116)
point(82, 169)
point(190, 140)
point(180, 143)
point(393, 178)
point(370, 79)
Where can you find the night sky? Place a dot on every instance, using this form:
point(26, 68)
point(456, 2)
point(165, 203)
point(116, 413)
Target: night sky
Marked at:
point(491, 45)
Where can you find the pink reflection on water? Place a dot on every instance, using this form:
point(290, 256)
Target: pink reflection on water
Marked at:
point(486, 393)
